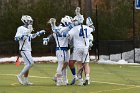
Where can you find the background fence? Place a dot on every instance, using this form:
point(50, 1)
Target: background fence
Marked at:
point(117, 24)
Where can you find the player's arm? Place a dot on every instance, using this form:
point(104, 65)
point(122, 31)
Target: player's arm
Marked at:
point(90, 41)
point(42, 32)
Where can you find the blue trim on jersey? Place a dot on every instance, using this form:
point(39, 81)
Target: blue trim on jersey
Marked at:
point(62, 48)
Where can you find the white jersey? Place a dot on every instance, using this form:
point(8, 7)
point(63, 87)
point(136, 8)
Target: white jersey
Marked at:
point(80, 35)
point(61, 39)
point(24, 44)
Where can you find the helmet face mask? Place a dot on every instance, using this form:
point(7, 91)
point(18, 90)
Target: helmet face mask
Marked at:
point(78, 19)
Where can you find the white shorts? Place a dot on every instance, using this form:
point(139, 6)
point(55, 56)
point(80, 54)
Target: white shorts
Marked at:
point(63, 55)
point(81, 54)
point(27, 57)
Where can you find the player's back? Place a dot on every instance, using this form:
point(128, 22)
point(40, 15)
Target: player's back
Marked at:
point(80, 35)
point(61, 39)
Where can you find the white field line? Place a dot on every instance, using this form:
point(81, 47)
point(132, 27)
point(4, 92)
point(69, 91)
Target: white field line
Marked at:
point(109, 90)
point(118, 84)
point(29, 76)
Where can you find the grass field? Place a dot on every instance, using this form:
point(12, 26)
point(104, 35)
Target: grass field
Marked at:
point(104, 79)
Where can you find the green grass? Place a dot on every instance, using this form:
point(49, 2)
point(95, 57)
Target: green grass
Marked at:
point(104, 79)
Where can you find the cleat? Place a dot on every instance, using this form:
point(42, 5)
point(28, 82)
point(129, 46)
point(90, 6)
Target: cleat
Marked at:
point(59, 83)
point(87, 82)
point(27, 83)
point(65, 82)
point(54, 79)
point(80, 82)
point(20, 79)
point(73, 81)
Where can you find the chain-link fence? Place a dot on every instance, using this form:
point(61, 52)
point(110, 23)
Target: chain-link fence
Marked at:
point(117, 27)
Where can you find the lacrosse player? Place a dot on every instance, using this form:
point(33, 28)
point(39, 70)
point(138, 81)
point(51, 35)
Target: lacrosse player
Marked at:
point(78, 20)
point(24, 36)
point(62, 51)
point(80, 35)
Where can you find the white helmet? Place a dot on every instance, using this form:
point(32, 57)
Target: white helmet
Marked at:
point(78, 19)
point(65, 21)
point(89, 21)
point(26, 19)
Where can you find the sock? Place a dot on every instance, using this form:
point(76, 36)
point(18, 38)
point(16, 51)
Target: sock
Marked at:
point(25, 79)
point(73, 71)
point(87, 77)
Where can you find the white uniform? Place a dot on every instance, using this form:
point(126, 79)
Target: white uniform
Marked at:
point(80, 35)
point(25, 44)
point(62, 51)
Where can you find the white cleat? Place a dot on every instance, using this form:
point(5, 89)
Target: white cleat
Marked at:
point(59, 82)
point(80, 82)
point(86, 82)
point(27, 83)
point(54, 79)
point(20, 79)
point(65, 82)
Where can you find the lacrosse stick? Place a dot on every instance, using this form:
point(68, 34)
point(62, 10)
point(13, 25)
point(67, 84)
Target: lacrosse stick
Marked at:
point(77, 11)
point(52, 21)
point(18, 61)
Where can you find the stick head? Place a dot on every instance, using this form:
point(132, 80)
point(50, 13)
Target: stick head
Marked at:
point(77, 11)
point(18, 61)
point(52, 21)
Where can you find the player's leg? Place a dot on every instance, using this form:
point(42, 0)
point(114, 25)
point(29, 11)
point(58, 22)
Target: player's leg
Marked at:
point(73, 69)
point(86, 67)
point(77, 55)
point(79, 65)
point(28, 61)
point(64, 73)
point(59, 73)
point(87, 73)
point(64, 69)
point(60, 58)
point(26, 75)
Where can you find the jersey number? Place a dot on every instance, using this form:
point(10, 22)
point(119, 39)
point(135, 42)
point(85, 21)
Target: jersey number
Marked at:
point(62, 35)
point(82, 31)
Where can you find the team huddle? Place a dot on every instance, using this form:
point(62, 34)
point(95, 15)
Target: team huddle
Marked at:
point(73, 41)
